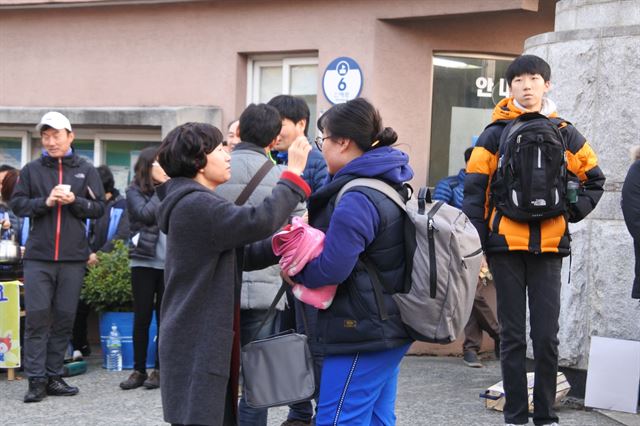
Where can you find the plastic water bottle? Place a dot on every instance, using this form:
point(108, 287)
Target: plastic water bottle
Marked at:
point(114, 350)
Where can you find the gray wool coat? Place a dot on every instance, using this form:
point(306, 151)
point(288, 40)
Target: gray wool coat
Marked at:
point(201, 277)
point(258, 287)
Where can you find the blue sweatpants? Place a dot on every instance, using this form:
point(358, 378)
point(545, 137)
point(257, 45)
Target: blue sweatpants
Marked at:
point(359, 389)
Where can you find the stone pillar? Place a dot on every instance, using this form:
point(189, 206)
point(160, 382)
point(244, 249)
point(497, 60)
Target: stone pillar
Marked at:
point(594, 54)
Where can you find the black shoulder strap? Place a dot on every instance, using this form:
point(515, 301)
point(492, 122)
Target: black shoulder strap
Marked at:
point(272, 308)
point(254, 182)
point(377, 284)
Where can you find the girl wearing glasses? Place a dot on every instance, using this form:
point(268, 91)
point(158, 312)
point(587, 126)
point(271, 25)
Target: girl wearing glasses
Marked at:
point(362, 351)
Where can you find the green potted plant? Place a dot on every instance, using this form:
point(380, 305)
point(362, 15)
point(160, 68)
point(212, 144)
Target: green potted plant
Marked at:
point(107, 285)
point(107, 289)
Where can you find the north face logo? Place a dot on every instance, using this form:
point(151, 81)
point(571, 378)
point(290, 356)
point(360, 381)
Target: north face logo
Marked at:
point(79, 175)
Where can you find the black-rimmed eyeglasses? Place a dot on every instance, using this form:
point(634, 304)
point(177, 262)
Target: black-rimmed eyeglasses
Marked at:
point(320, 141)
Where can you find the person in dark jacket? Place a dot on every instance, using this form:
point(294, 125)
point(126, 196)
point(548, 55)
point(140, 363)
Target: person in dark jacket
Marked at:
point(58, 191)
point(147, 253)
point(114, 224)
point(362, 351)
point(525, 258)
point(102, 232)
point(451, 189)
point(631, 211)
point(295, 114)
point(199, 345)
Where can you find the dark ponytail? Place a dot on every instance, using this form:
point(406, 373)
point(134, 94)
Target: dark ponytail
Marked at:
point(386, 137)
point(359, 121)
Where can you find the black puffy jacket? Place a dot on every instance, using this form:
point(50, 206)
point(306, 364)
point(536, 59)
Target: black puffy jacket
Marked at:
point(143, 224)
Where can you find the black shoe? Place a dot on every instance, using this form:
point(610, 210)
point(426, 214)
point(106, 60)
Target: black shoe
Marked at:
point(153, 381)
point(135, 380)
point(58, 387)
point(471, 359)
point(37, 389)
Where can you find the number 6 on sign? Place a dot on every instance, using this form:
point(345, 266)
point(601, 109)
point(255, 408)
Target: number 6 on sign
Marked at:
point(342, 80)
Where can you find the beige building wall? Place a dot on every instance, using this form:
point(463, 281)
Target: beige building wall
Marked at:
point(149, 54)
point(194, 53)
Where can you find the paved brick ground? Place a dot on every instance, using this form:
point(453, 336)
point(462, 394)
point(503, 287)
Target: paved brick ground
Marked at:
point(432, 391)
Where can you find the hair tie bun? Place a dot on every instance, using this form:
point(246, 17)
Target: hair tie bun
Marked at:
point(386, 137)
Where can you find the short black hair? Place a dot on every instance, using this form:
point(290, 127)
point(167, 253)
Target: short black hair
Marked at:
point(292, 108)
point(259, 124)
point(184, 150)
point(467, 154)
point(528, 64)
point(108, 183)
point(6, 168)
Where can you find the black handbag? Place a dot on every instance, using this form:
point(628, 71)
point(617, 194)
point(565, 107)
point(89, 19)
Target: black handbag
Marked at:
point(277, 370)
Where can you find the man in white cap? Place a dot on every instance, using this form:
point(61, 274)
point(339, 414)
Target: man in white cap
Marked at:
point(58, 191)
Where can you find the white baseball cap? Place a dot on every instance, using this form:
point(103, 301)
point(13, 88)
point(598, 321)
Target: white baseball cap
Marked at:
point(55, 120)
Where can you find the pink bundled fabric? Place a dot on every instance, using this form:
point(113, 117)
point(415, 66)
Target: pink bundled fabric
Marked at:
point(297, 244)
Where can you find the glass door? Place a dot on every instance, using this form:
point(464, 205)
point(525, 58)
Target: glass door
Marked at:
point(465, 91)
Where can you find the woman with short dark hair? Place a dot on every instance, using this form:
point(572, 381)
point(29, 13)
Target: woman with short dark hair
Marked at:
point(200, 309)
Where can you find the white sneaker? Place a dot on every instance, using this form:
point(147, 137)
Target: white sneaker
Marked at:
point(77, 355)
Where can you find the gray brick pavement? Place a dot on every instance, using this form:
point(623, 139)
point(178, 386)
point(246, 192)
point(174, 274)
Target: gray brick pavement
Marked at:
point(432, 391)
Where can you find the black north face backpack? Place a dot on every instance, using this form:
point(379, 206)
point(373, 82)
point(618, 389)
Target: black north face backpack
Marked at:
point(530, 182)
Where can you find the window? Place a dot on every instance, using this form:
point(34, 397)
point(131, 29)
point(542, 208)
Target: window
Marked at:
point(297, 76)
point(11, 151)
point(14, 147)
point(121, 157)
point(465, 91)
point(117, 149)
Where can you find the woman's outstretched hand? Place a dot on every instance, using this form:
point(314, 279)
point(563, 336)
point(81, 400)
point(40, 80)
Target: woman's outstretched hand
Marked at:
point(298, 153)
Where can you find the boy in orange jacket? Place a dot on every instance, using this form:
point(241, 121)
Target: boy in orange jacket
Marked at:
point(525, 255)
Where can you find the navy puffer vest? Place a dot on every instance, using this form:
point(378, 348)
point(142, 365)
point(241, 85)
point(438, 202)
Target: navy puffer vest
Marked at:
point(353, 322)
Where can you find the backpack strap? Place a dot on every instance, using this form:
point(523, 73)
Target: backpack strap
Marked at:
point(376, 184)
point(377, 283)
point(423, 197)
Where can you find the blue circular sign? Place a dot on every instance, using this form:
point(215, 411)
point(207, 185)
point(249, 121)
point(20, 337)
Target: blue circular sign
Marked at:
point(342, 80)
